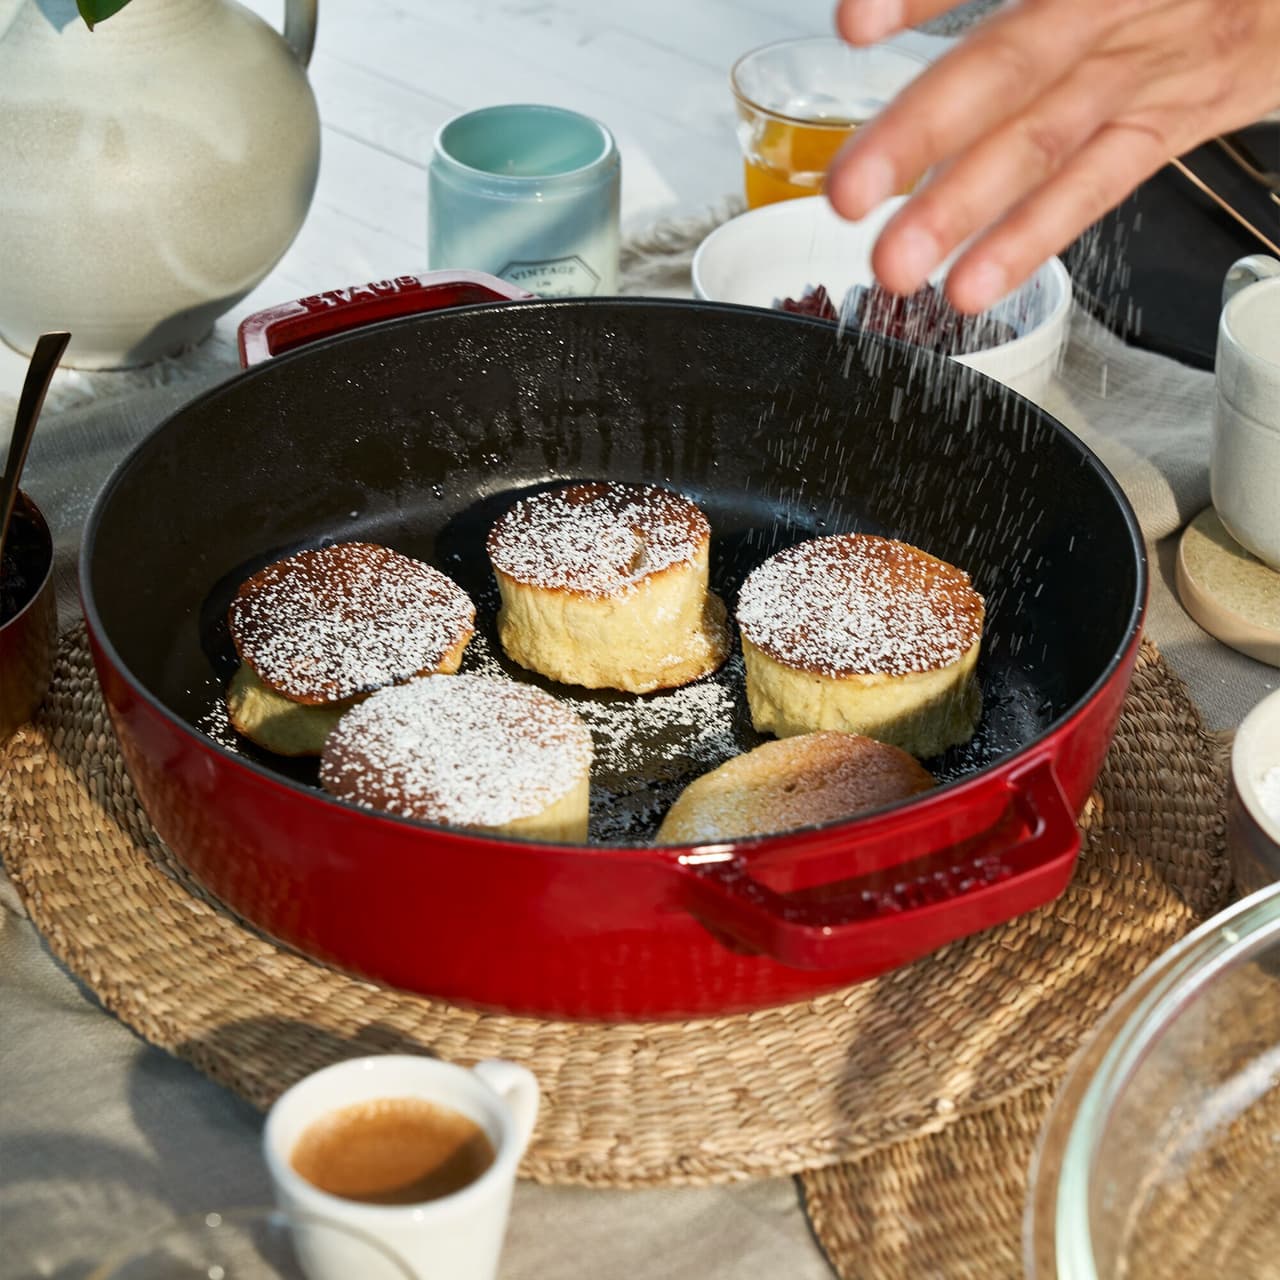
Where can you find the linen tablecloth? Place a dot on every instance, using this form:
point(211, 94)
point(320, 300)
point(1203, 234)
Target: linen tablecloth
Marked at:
point(101, 1135)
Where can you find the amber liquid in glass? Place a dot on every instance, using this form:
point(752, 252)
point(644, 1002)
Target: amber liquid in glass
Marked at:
point(791, 158)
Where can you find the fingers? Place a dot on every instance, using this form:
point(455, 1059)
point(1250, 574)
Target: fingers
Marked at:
point(1039, 121)
point(997, 172)
point(1095, 179)
point(964, 96)
point(866, 21)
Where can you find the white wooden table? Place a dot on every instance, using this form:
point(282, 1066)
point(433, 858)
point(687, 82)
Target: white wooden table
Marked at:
point(388, 73)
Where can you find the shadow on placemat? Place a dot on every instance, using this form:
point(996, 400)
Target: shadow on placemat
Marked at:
point(943, 1207)
point(804, 1086)
point(951, 1204)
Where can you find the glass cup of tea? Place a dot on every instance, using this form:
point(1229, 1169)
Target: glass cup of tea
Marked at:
point(800, 100)
point(252, 1244)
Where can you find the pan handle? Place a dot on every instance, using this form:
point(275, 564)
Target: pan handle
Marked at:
point(879, 921)
point(288, 325)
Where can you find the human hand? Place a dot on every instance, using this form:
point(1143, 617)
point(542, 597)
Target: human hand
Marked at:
point(1042, 118)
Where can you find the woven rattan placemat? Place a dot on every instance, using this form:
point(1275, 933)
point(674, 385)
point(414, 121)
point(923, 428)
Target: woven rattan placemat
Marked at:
point(800, 1087)
point(949, 1205)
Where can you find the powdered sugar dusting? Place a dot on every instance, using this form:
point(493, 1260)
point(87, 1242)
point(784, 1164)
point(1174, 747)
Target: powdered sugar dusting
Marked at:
point(463, 750)
point(323, 625)
point(648, 748)
point(858, 604)
point(698, 716)
point(596, 539)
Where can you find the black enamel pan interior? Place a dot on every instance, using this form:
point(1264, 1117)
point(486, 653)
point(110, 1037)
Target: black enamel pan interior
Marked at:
point(419, 432)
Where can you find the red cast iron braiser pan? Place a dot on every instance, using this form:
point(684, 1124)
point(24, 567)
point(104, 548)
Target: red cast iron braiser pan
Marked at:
point(418, 432)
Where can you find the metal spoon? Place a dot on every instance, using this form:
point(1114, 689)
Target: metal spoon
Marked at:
point(44, 360)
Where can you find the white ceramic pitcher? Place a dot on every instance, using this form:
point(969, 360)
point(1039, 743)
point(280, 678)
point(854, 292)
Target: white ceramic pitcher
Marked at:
point(152, 171)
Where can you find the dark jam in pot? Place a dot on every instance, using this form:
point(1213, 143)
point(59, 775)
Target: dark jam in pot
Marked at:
point(924, 318)
point(814, 302)
point(26, 561)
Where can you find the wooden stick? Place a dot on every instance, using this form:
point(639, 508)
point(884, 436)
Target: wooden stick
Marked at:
point(1223, 205)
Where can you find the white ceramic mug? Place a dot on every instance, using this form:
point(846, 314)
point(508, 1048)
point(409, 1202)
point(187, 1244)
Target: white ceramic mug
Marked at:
point(1244, 471)
point(457, 1237)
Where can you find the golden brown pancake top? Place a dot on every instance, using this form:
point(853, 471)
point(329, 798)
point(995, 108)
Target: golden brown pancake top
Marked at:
point(858, 604)
point(596, 539)
point(794, 782)
point(327, 624)
point(471, 751)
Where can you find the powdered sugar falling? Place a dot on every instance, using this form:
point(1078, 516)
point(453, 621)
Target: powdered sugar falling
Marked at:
point(462, 750)
point(858, 604)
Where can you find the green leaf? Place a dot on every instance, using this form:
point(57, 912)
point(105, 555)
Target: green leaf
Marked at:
point(93, 11)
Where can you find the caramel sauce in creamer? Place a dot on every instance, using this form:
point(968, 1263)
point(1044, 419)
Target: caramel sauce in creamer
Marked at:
point(392, 1151)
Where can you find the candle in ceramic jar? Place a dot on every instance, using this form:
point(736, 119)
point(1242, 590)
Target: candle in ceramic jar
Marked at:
point(528, 193)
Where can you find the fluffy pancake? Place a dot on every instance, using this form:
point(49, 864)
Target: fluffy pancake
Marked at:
point(605, 586)
point(326, 625)
point(864, 635)
point(790, 783)
point(272, 721)
point(466, 751)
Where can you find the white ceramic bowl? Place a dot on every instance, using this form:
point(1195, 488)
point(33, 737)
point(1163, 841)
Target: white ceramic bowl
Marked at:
point(1253, 828)
point(779, 250)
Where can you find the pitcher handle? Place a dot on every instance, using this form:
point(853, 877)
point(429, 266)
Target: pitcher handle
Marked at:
point(300, 28)
point(1246, 271)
